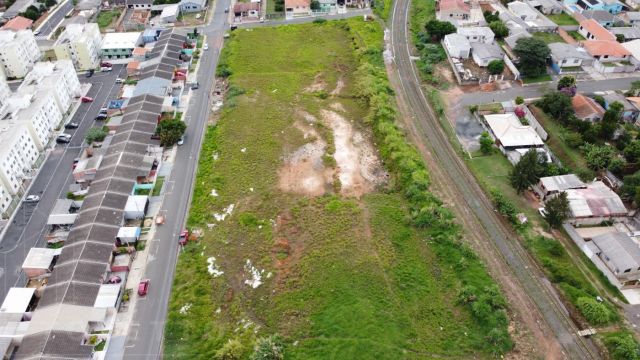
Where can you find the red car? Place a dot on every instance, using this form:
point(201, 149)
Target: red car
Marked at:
point(86, 99)
point(105, 64)
point(184, 235)
point(143, 287)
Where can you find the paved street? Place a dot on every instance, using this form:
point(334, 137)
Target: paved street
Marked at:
point(30, 222)
point(308, 19)
point(524, 283)
point(534, 91)
point(144, 340)
point(52, 21)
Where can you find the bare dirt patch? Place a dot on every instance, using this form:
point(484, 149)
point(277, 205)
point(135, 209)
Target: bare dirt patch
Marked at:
point(317, 85)
point(359, 168)
point(338, 88)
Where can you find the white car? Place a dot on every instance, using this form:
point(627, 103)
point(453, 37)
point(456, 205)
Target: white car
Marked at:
point(205, 47)
point(104, 68)
point(32, 199)
point(181, 140)
point(119, 81)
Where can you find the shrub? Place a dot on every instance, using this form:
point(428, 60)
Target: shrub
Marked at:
point(594, 311)
point(622, 346)
point(495, 67)
point(486, 143)
point(95, 134)
point(269, 348)
point(519, 100)
point(231, 350)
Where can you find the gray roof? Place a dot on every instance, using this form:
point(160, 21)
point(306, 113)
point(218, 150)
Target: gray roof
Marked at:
point(620, 250)
point(54, 345)
point(486, 51)
point(562, 182)
point(16, 8)
point(599, 15)
point(612, 97)
point(629, 32)
point(633, 15)
point(513, 38)
point(197, 2)
point(566, 51)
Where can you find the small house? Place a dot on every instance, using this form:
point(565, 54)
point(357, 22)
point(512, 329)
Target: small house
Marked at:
point(568, 58)
point(483, 54)
point(547, 7)
point(188, 6)
point(604, 18)
point(457, 46)
point(452, 10)
point(477, 34)
point(246, 10)
point(595, 204)
point(591, 30)
point(550, 186)
point(586, 108)
point(297, 8)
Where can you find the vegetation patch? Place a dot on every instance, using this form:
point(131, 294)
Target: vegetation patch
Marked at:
point(375, 275)
point(106, 18)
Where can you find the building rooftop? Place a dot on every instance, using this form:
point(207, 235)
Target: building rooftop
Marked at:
point(629, 32)
point(126, 40)
point(448, 5)
point(596, 200)
point(18, 23)
point(599, 15)
point(40, 258)
point(566, 51)
point(476, 31)
point(619, 250)
point(585, 106)
point(605, 47)
point(510, 131)
point(599, 32)
point(562, 182)
point(17, 300)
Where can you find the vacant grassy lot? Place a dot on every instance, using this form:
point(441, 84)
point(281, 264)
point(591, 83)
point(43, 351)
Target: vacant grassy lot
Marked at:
point(548, 38)
point(342, 276)
point(563, 19)
point(106, 18)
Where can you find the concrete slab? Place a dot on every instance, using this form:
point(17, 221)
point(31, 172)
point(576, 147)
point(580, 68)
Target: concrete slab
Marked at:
point(632, 296)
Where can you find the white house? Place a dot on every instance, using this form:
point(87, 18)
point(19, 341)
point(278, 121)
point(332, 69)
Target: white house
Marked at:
point(568, 56)
point(59, 76)
point(18, 52)
point(170, 13)
point(477, 34)
point(18, 154)
point(457, 45)
point(511, 134)
point(483, 54)
point(80, 43)
point(120, 45)
point(187, 6)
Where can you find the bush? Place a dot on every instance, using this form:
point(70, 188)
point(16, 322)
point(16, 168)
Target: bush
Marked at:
point(170, 131)
point(519, 100)
point(231, 350)
point(95, 134)
point(622, 346)
point(269, 348)
point(486, 143)
point(574, 140)
point(495, 67)
point(594, 311)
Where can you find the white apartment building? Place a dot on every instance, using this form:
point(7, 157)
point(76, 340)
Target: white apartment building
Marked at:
point(59, 76)
point(18, 154)
point(80, 43)
point(5, 92)
point(38, 111)
point(5, 198)
point(18, 52)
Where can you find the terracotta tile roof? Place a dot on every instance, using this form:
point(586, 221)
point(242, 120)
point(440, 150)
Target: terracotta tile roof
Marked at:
point(296, 3)
point(586, 107)
point(139, 51)
point(599, 32)
point(18, 23)
point(605, 47)
point(133, 65)
point(243, 7)
point(454, 5)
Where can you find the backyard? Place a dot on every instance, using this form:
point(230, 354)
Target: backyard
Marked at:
point(304, 233)
point(563, 19)
point(548, 38)
point(107, 18)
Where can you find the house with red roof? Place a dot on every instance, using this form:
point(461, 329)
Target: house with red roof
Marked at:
point(449, 10)
point(18, 23)
point(592, 30)
point(611, 56)
point(586, 108)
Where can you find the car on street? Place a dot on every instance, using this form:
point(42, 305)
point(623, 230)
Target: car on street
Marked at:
point(143, 287)
point(90, 73)
point(86, 99)
point(205, 47)
point(36, 33)
point(101, 116)
point(106, 64)
point(104, 110)
point(119, 80)
point(262, 19)
point(226, 10)
point(71, 125)
point(32, 199)
point(106, 68)
point(63, 138)
point(195, 86)
point(181, 140)
point(75, 163)
point(184, 236)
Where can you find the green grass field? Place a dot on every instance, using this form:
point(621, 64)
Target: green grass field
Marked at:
point(106, 18)
point(548, 38)
point(563, 19)
point(344, 277)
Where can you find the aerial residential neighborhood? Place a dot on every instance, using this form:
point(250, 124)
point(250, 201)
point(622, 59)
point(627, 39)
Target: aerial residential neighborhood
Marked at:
point(279, 179)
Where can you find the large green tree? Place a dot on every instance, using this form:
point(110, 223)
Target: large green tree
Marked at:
point(533, 54)
point(528, 170)
point(598, 157)
point(556, 104)
point(438, 29)
point(170, 131)
point(500, 30)
point(495, 67)
point(610, 120)
point(557, 209)
point(632, 151)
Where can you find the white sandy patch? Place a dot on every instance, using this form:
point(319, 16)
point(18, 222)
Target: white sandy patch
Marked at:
point(254, 276)
point(214, 193)
point(185, 308)
point(213, 268)
point(225, 212)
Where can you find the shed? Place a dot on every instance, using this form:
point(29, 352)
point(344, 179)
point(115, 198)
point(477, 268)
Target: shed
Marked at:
point(18, 300)
point(136, 207)
point(121, 263)
point(40, 261)
point(108, 295)
point(128, 234)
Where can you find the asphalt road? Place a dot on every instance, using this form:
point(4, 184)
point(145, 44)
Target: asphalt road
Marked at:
point(145, 337)
point(307, 19)
point(470, 199)
point(53, 20)
point(29, 224)
point(534, 91)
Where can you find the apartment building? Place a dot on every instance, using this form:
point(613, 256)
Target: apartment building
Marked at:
point(38, 111)
point(5, 92)
point(59, 76)
point(80, 43)
point(18, 52)
point(18, 154)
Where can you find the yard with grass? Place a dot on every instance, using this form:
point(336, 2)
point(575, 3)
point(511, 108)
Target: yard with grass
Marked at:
point(548, 38)
point(576, 35)
point(107, 18)
point(563, 19)
point(304, 233)
point(537, 79)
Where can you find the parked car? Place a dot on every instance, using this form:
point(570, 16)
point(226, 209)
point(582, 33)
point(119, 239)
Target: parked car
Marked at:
point(184, 236)
point(226, 10)
point(32, 199)
point(143, 287)
point(86, 99)
point(103, 110)
point(119, 81)
point(101, 117)
point(106, 68)
point(36, 33)
point(195, 86)
point(75, 163)
point(90, 73)
point(205, 47)
point(105, 64)
point(181, 140)
point(63, 138)
point(71, 125)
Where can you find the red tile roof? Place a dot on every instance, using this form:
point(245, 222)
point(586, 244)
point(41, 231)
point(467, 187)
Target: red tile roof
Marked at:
point(18, 23)
point(599, 32)
point(244, 7)
point(586, 107)
point(605, 47)
point(297, 3)
point(454, 5)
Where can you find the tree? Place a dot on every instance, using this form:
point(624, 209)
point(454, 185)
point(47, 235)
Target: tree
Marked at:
point(574, 140)
point(170, 131)
point(556, 104)
point(269, 348)
point(533, 54)
point(557, 209)
point(50, 3)
point(490, 17)
point(520, 113)
point(95, 134)
point(630, 186)
point(595, 312)
point(566, 81)
point(620, 38)
point(438, 29)
point(600, 100)
point(315, 5)
point(32, 13)
point(610, 120)
point(528, 170)
point(623, 346)
point(495, 67)
point(500, 30)
point(632, 151)
point(519, 100)
point(486, 143)
point(598, 157)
